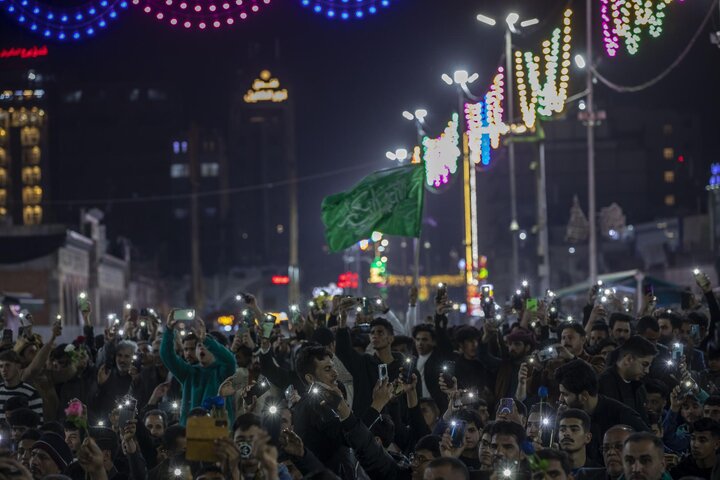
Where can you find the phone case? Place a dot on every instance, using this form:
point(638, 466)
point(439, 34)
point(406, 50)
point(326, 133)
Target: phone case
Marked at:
point(201, 435)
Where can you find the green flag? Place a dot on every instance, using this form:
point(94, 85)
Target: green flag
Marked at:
point(389, 201)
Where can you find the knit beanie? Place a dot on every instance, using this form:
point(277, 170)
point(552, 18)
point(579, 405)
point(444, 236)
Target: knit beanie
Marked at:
point(55, 446)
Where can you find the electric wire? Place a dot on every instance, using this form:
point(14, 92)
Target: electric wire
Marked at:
point(643, 86)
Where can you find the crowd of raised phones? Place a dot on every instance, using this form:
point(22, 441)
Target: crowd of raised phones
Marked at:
point(347, 389)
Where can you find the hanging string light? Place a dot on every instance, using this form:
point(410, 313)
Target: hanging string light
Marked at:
point(200, 14)
point(484, 122)
point(346, 9)
point(625, 20)
point(546, 97)
point(441, 154)
point(81, 21)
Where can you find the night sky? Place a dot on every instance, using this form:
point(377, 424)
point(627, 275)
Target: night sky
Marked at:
point(352, 80)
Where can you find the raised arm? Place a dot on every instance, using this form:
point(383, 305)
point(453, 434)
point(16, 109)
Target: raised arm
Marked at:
point(170, 359)
point(40, 360)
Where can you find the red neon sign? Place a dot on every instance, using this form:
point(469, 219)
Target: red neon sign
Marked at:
point(348, 280)
point(33, 52)
point(280, 280)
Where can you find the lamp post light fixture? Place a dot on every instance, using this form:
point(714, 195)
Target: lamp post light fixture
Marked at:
point(512, 27)
point(400, 154)
point(461, 79)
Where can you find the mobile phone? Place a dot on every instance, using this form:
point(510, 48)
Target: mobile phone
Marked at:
point(441, 293)
point(295, 314)
point(261, 386)
point(506, 406)
point(408, 368)
point(546, 354)
point(364, 327)
point(531, 304)
point(185, 315)
point(382, 372)
point(467, 397)
point(7, 336)
point(322, 394)
point(677, 351)
point(83, 302)
point(128, 411)
point(695, 331)
point(243, 297)
point(447, 370)
point(457, 432)
point(23, 331)
point(267, 326)
point(289, 392)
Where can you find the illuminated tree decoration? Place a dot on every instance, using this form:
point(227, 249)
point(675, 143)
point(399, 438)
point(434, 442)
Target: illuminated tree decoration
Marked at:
point(625, 20)
point(548, 97)
point(346, 9)
point(200, 14)
point(441, 154)
point(55, 23)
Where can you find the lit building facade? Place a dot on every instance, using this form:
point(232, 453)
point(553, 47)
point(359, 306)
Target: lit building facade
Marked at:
point(23, 151)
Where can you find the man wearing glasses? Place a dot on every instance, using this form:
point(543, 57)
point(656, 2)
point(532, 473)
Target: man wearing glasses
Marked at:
point(612, 447)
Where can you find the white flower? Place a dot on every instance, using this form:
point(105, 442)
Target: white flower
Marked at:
point(70, 348)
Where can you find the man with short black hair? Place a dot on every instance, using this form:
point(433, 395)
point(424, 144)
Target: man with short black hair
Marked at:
point(507, 440)
point(711, 408)
point(574, 436)
point(599, 331)
point(24, 446)
point(470, 372)
point(579, 389)
point(467, 452)
point(620, 327)
point(12, 385)
point(433, 348)
point(557, 465)
point(644, 457)
point(622, 380)
point(446, 469)
point(704, 443)
point(155, 422)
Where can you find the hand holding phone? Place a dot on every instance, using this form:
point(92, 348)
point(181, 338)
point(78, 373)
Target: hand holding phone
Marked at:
point(184, 317)
point(457, 432)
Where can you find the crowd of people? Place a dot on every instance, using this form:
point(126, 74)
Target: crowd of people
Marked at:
point(349, 390)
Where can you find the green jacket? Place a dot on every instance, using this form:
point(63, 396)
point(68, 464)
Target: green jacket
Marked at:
point(198, 382)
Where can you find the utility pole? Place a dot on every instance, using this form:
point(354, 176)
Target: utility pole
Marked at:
point(293, 263)
point(592, 244)
point(197, 283)
point(514, 227)
point(542, 220)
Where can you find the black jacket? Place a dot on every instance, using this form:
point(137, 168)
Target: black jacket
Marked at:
point(376, 462)
point(431, 372)
point(324, 437)
point(632, 394)
point(609, 413)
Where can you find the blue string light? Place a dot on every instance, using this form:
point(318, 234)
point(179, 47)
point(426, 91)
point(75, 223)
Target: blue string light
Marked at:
point(346, 9)
point(77, 23)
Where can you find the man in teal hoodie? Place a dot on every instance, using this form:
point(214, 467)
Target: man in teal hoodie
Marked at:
point(202, 380)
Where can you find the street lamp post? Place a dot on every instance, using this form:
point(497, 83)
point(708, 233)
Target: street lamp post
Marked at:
point(512, 25)
point(461, 79)
point(418, 117)
point(592, 244)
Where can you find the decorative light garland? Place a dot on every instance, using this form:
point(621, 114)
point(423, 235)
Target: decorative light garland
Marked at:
point(346, 9)
point(548, 97)
point(625, 20)
point(484, 122)
point(62, 24)
point(441, 154)
point(199, 13)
